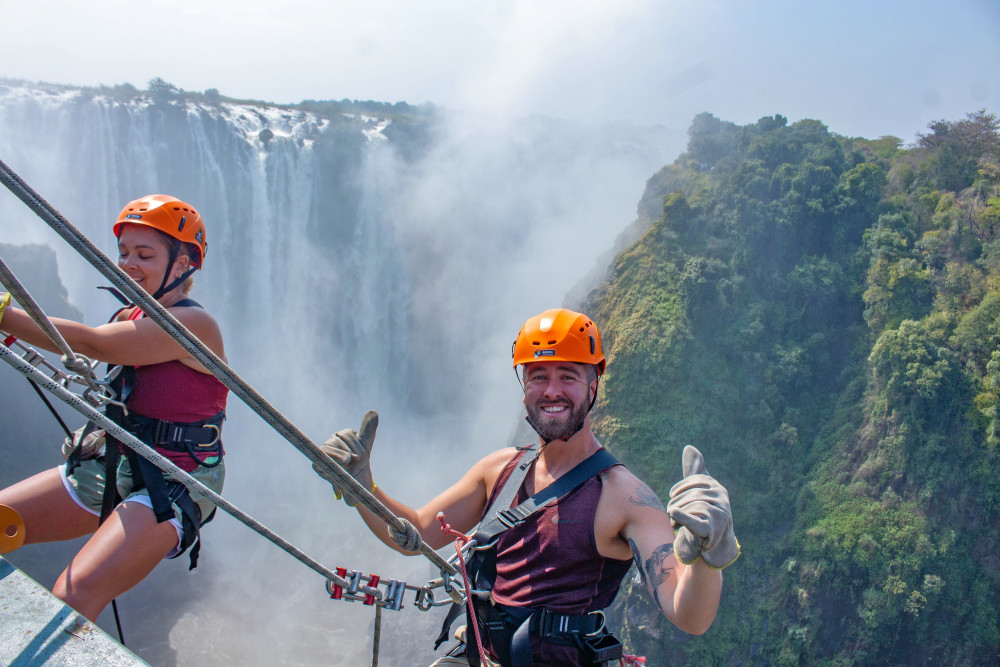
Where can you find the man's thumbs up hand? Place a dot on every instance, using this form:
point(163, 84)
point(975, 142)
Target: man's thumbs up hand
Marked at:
point(699, 511)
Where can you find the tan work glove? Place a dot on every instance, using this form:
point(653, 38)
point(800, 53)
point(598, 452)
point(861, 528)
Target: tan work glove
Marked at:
point(91, 443)
point(699, 511)
point(352, 450)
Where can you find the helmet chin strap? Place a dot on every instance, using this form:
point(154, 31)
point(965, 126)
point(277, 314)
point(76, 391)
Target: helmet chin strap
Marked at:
point(164, 287)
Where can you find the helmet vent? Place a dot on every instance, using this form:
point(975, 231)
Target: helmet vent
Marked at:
point(180, 225)
point(592, 345)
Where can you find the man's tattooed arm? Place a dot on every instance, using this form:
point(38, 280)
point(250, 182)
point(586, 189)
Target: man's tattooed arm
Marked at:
point(644, 497)
point(656, 570)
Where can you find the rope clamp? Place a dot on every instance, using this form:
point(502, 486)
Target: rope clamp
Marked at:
point(353, 586)
point(335, 590)
point(359, 588)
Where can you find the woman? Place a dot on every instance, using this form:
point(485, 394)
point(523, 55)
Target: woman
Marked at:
point(173, 404)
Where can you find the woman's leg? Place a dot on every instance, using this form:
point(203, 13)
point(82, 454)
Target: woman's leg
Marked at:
point(126, 548)
point(50, 514)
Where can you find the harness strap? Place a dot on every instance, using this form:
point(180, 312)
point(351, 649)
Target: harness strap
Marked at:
point(511, 630)
point(507, 518)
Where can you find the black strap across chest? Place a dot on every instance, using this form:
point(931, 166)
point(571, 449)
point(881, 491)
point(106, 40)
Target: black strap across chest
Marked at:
point(501, 517)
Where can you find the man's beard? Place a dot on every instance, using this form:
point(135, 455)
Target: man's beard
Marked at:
point(553, 428)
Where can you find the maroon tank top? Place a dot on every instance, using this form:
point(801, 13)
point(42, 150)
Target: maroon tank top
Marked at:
point(174, 392)
point(551, 560)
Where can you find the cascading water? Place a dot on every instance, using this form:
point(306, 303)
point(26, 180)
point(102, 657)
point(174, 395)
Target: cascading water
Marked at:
point(349, 270)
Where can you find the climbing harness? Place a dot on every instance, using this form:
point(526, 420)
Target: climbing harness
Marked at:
point(510, 628)
point(392, 598)
point(164, 436)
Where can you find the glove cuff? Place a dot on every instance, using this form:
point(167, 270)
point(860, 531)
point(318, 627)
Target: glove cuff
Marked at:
point(723, 557)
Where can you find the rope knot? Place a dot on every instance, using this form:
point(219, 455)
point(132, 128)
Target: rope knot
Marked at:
point(407, 539)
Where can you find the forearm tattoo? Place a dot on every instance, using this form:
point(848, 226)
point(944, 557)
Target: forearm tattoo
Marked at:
point(656, 566)
point(644, 497)
point(657, 569)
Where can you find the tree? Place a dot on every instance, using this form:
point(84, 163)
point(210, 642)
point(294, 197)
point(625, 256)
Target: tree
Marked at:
point(162, 91)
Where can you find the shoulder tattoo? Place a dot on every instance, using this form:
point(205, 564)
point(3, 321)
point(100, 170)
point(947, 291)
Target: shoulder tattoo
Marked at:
point(643, 496)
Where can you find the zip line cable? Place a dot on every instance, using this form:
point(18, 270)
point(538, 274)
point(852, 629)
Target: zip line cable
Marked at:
point(156, 312)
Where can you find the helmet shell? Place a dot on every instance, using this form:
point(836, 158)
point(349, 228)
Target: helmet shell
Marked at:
point(559, 334)
point(170, 216)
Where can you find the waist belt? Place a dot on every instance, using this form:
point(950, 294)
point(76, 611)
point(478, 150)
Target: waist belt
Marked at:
point(200, 437)
point(511, 629)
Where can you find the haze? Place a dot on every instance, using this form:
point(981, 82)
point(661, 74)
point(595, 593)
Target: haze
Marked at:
point(863, 68)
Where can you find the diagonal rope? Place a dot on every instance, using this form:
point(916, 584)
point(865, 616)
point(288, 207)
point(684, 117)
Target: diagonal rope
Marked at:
point(156, 312)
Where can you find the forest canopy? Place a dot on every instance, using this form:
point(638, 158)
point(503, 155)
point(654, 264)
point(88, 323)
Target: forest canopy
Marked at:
point(820, 315)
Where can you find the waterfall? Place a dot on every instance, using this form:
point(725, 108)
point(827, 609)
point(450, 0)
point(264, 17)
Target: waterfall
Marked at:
point(352, 264)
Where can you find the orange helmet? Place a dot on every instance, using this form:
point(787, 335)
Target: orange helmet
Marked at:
point(559, 335)
point(170, 216)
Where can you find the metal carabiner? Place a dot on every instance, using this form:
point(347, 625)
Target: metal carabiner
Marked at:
point(492, 544)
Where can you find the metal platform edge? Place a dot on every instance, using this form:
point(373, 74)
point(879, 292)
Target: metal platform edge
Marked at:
point(37, 628)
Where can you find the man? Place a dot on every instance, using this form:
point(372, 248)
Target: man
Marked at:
point(558, 561)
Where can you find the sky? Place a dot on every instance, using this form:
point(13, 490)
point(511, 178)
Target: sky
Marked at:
point(864, 68)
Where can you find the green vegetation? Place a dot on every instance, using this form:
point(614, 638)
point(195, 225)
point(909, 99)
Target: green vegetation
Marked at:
point(821, 316)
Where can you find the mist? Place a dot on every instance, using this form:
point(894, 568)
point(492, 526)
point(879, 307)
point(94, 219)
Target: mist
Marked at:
point(347, 274)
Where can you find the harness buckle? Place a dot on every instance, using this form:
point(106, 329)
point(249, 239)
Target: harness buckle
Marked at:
point(218, 434)
point(599, 629)
point(507, 518)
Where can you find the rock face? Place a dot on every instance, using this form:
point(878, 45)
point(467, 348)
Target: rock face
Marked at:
point(35, 266)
